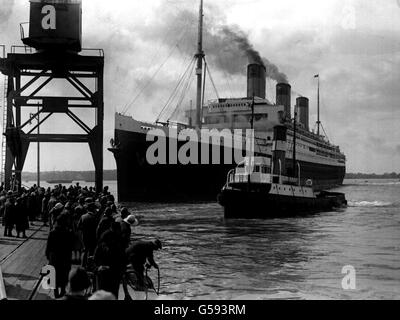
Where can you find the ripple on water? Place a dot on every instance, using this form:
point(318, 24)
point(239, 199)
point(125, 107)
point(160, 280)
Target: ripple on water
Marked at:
point(207, 257)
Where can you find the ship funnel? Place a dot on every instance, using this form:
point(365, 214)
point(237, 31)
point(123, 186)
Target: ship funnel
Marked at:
point(302, 104)
point(283, 97)
point(256, 80)
point(279, 150)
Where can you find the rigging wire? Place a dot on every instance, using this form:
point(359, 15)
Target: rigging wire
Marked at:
point(148, 82)
point(184, 32)
point(183, 95)
point(187, 29)
point(323, 129)
point(177, 89)
point(152, 60)
point(185, 89)
point(211, 78)
point(174, 92)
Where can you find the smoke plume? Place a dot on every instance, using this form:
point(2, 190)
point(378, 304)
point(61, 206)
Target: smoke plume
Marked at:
point(226, 46)
point(253, 56)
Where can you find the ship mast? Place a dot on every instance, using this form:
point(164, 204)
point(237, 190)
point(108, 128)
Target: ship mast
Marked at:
point(318, 121)
point(199, 70)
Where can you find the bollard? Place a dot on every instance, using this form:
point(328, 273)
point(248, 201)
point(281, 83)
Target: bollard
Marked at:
point(3, 295)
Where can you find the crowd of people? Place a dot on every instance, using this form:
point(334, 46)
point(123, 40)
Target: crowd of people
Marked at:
point(85, 228)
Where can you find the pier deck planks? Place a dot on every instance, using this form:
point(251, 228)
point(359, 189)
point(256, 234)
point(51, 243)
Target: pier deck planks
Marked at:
point(21, 262)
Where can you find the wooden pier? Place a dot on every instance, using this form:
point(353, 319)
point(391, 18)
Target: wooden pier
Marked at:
point(21, 261)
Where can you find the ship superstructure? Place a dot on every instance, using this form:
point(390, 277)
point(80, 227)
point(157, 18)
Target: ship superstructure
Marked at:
point(139, 180)
point(316, 158)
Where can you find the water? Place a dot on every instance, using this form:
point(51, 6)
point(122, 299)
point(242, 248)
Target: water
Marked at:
point(207, 257)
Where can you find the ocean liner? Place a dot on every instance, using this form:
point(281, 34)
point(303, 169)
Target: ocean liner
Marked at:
point(140, 180)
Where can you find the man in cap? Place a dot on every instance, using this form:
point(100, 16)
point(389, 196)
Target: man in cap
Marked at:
point(139, 253)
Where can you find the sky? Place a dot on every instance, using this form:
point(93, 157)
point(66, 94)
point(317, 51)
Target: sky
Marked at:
point(354, 45)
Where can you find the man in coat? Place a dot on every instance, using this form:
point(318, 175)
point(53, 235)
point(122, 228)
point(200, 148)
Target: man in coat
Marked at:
point(88, 225)
point(21, 217)
point(59, 253)
point(9, 215)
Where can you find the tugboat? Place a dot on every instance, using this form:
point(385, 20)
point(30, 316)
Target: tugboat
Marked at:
point(320, 160)
point(259, 187)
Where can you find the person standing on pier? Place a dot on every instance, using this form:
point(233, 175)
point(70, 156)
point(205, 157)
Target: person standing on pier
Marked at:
point(9, 215)
point(105, 223)
point(21, 217)
point(45, 211)
point(110, 259)
point(59, 253)
point(32, 204)
point(88, 226)
point(127, 221)
point(78, 211)
point(54, 213)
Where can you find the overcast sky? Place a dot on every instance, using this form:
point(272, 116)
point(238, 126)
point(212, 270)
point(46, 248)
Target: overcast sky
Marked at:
point(353, 44)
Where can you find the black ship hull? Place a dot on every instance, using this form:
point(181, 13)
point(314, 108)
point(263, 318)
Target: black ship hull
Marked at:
point(242, 204)
point(139, 181)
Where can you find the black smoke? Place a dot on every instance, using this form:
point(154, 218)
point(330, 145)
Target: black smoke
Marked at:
point(240, 38)
point(227, 47)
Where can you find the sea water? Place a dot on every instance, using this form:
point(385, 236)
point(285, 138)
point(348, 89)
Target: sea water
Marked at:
point(205, 256)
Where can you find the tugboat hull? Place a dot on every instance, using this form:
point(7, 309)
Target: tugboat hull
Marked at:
point(239, 204)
